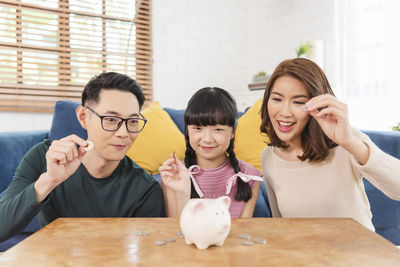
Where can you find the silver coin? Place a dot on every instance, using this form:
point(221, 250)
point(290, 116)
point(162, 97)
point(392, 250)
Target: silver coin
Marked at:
point(178, 233)
point(170, 240)
point(159, 243)
point(247, 243)
point(141, 233)
point(260, 240)
point(89, 146)
point(245, 236)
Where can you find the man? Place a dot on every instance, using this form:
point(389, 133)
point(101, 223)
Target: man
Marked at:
point(61, 179)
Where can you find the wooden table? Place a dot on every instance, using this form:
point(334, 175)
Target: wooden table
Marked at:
point(114, 242)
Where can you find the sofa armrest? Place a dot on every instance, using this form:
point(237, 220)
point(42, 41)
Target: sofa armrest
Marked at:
point(14, 145)
point(385, 211)
point(387, 141)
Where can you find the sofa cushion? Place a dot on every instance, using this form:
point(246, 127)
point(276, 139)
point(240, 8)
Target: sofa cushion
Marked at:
point(249, 142)
point(13, 146)
point(158, 140)
point(65, 121)
point(177, 115)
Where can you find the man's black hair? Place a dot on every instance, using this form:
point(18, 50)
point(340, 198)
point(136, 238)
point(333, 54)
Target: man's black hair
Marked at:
point(111, 81)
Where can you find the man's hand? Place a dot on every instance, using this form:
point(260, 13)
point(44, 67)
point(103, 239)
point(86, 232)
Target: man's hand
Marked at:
point(63, 158)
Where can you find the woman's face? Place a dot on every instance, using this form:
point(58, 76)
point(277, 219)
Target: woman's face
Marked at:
point(288, 119)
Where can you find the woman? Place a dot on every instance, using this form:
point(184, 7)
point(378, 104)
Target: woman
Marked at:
point(315, 162)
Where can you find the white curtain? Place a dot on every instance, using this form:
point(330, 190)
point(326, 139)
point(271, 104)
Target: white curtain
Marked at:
point(368, 61)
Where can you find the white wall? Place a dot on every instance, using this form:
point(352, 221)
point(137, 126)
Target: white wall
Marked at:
point(220, 43)
point(276, 28)
point(22, 121)
point(198, 44)
point(224, 43)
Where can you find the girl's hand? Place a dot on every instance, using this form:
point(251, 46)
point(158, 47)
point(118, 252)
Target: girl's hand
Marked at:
point(175, 175)
point(332, 116)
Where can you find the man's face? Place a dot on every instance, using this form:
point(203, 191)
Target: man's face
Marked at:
point(111, 145)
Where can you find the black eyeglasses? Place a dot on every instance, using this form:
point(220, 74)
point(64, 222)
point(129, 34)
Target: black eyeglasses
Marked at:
point(113, 123)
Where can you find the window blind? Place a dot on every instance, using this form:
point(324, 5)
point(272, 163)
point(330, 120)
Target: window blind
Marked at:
point(49, 49)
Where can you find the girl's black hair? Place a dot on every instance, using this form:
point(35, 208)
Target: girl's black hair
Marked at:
point(211, 106)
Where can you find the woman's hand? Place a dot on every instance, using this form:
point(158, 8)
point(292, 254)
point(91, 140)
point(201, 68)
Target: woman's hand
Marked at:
point(175, 175)
point(332, 116)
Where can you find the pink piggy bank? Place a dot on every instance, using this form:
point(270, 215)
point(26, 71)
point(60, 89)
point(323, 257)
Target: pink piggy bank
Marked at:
point(206, 221)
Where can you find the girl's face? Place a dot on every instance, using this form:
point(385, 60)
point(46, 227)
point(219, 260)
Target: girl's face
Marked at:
point(210, 144)
point(284, 108)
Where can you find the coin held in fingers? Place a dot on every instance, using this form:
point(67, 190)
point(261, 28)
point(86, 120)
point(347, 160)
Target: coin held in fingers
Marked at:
point(89, 146)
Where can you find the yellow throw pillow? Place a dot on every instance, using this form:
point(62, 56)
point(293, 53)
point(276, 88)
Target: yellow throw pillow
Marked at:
point(249, 142)
point(158, 140)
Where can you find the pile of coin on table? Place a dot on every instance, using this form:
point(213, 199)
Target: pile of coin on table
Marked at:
point(251, 242)
point(161, 242)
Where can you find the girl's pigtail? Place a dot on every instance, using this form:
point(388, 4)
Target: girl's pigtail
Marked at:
point(243, 192)
point(190, 159)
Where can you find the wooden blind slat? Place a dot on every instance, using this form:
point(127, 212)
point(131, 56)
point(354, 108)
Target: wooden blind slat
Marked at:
point(41, 87)
point(29, 98)
point(32, 48)
point(57, 93)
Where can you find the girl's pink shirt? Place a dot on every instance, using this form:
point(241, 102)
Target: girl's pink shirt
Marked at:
point(212, 183)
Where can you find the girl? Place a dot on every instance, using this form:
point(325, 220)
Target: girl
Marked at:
point(211, 169)
point(316, 161)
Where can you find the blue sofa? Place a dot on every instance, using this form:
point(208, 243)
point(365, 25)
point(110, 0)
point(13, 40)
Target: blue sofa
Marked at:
point(14, 145)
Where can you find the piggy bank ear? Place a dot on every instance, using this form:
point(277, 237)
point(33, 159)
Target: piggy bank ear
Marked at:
point(198, 206)
point(226, 201)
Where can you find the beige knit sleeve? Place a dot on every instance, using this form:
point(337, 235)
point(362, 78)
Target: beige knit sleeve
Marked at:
point(381, 169)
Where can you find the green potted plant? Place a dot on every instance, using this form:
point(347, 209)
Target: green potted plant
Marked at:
point(304, 50)
point(260, 77)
